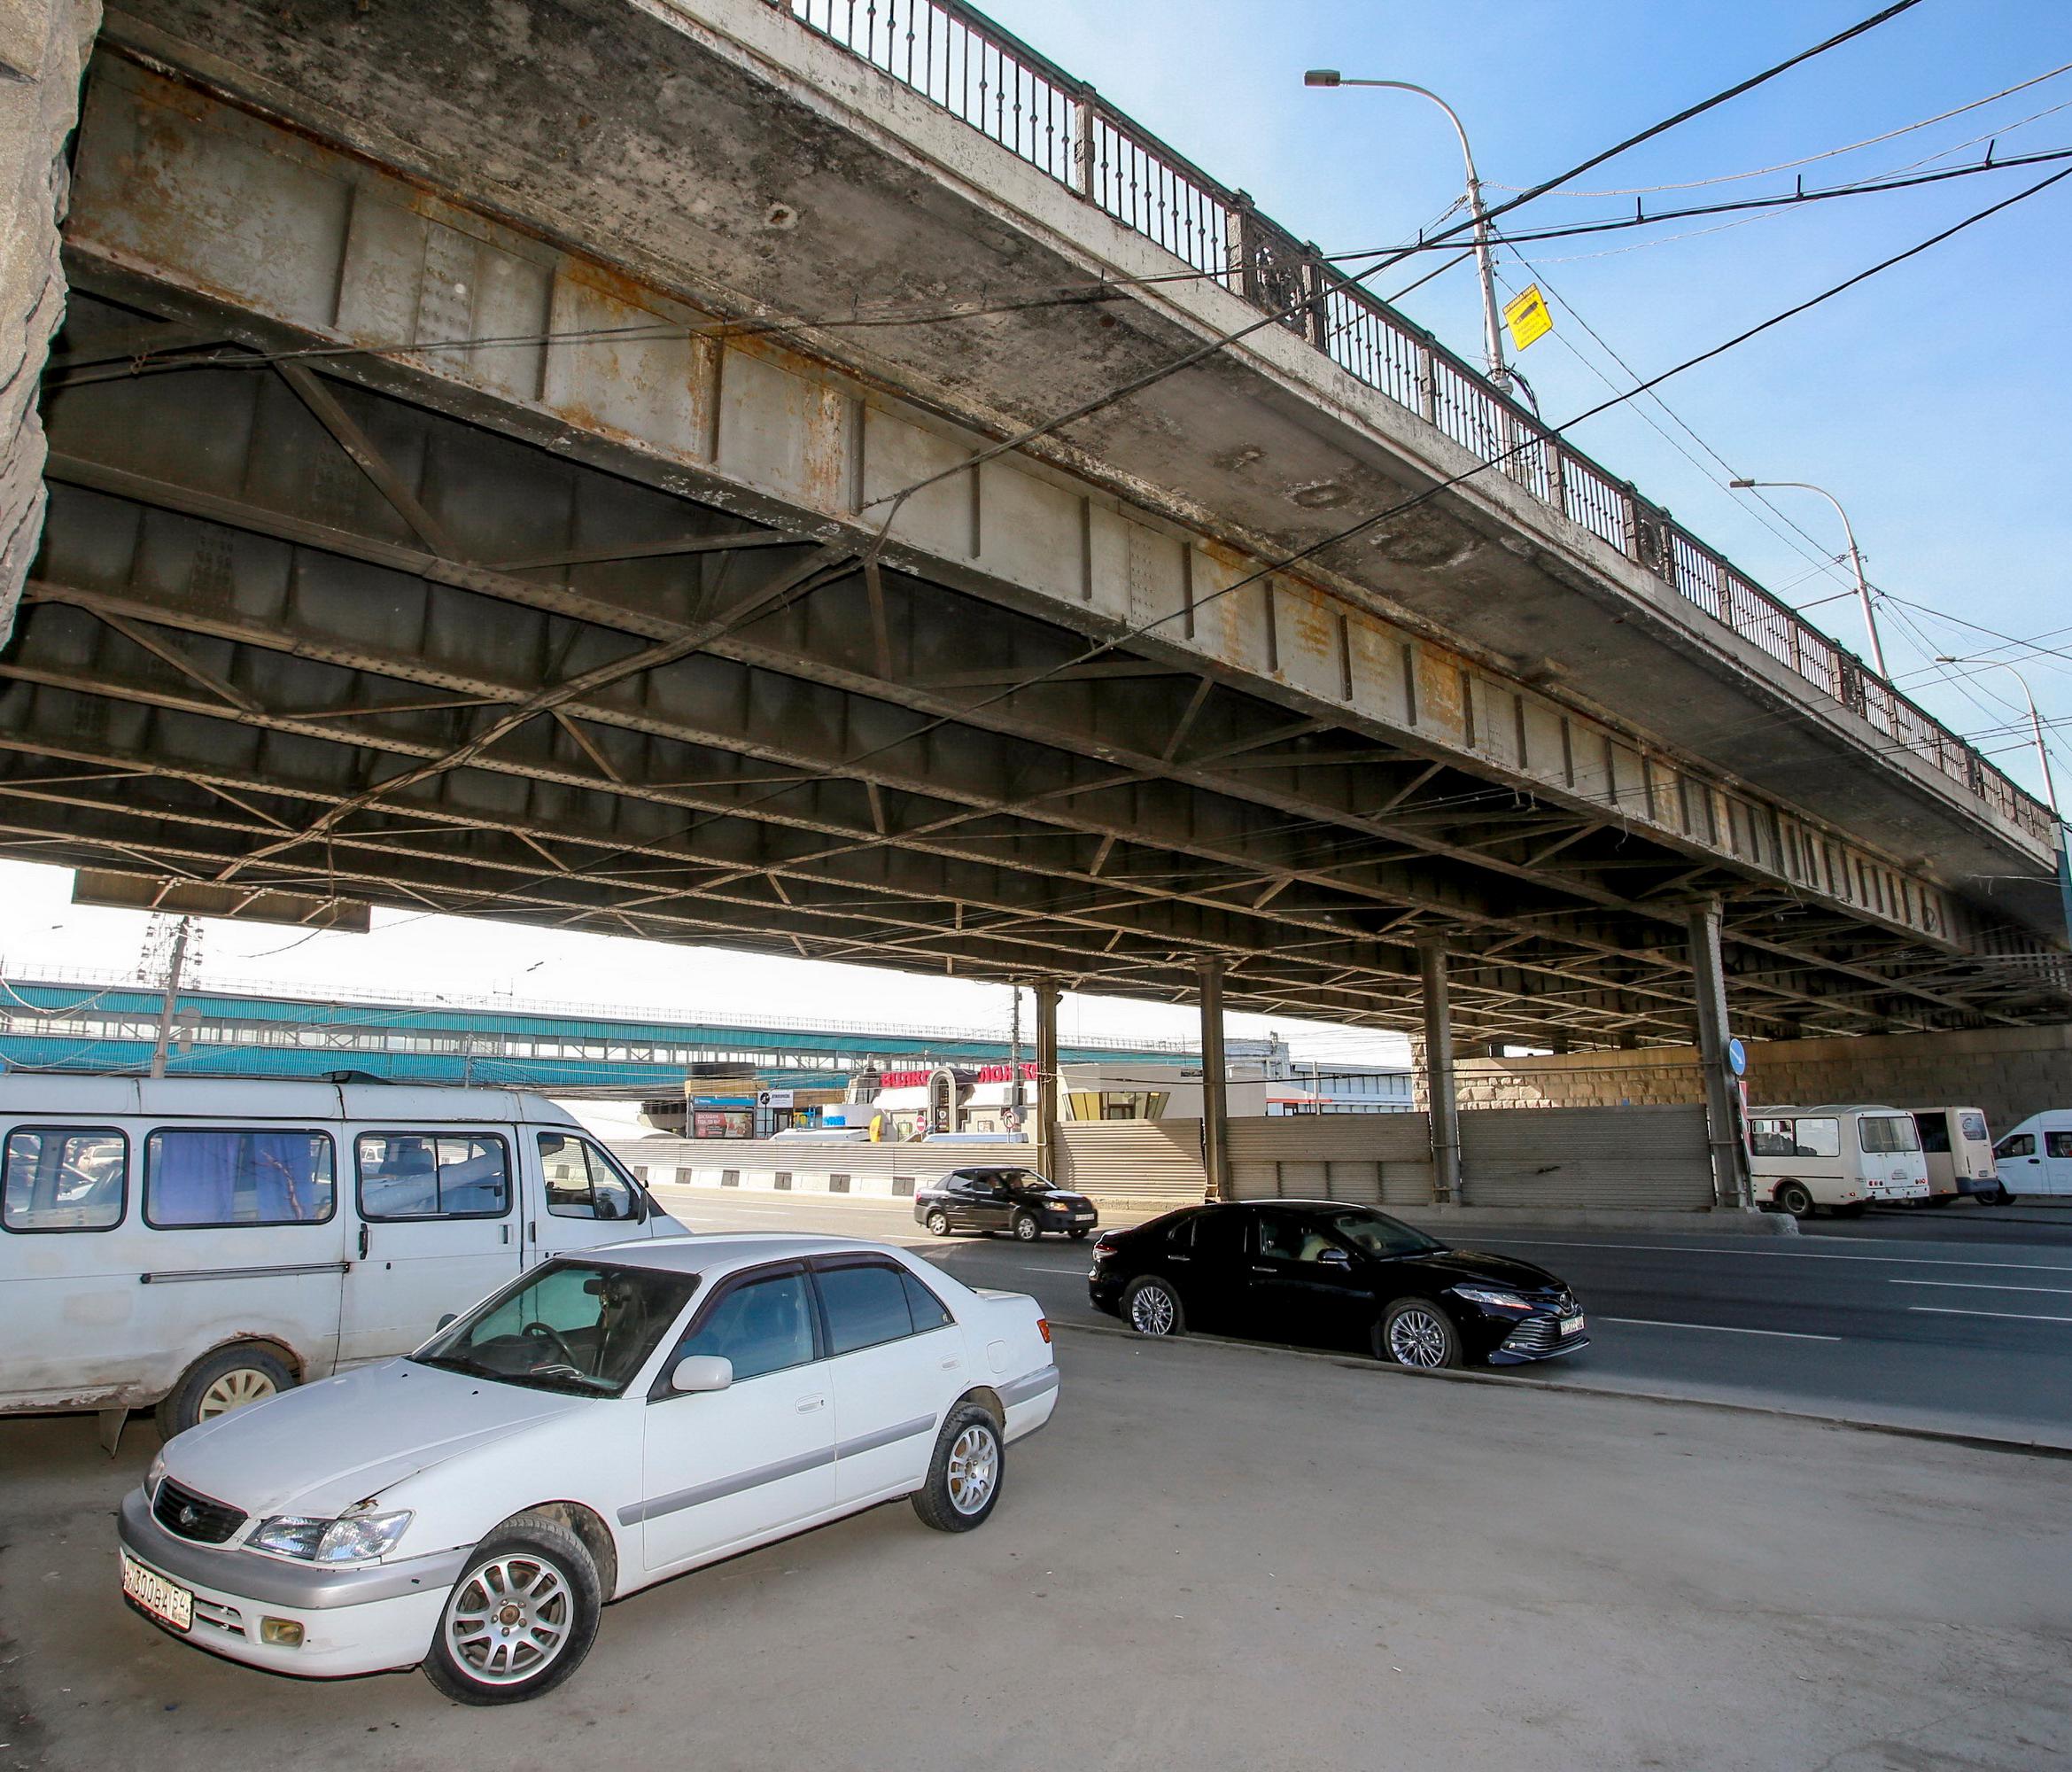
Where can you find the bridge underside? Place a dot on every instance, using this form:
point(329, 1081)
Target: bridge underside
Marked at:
point(262, 648)
point(569, 629)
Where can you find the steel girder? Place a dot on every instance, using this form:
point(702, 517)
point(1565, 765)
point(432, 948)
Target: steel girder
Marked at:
point(1191, 813)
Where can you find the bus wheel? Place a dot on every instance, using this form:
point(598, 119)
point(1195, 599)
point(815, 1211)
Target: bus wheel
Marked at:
point(1792, 1198)
point(226, 1379)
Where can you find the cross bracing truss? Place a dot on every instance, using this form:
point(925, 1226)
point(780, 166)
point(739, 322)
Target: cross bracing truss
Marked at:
point(290, 632)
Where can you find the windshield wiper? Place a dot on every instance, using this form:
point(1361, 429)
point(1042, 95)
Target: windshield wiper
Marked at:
point(452, 1362)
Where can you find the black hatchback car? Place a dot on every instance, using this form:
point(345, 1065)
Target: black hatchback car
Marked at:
point(994, 1198)
point(1318, 1271)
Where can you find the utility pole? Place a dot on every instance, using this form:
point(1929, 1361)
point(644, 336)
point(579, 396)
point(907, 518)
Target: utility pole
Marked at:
point(174, 967)
point(1484, 263)
point(1014, 1052)
point(1863, 588)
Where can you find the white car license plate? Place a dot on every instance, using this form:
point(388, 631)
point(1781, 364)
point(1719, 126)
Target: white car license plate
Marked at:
point(161, 1599)
point(1078, 1217)
point(1571, 1325)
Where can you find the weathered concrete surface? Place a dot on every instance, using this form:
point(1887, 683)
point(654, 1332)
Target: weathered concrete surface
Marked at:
point(43, 46)
point(1328, 1567)
point(2008, 1073)
point(724, 151)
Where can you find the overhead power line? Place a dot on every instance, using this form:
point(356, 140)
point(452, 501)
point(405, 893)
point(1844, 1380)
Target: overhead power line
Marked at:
point(1827, 153)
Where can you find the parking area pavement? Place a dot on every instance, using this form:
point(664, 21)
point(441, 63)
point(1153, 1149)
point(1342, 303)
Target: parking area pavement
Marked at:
point(1216, 1556)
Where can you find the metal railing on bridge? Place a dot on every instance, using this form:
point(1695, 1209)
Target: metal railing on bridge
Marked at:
point(961, 60)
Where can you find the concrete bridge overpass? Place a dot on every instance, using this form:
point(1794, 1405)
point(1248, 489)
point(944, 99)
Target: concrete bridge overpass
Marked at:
point(549, 464)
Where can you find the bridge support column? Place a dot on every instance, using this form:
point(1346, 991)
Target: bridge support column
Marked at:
point(1439, 1075)
point(1049, 1085)
point(1216, 1099)
point(1730, 1165)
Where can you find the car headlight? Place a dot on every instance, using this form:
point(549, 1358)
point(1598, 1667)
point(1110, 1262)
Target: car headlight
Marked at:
point(1490, 1298)
point(353, 1538)
point(152, 1476)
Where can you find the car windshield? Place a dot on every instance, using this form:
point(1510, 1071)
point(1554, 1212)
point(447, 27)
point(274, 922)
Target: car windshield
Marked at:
point(1024, 1181)
point(1378, 1234)
point(582, 1327)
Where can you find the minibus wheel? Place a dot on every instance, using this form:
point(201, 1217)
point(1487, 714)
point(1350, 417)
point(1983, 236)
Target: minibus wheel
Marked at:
point(226, 1379)
point(1792, 1197)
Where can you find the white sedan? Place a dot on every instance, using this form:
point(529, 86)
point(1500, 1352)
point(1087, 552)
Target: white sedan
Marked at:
point(611, 1420)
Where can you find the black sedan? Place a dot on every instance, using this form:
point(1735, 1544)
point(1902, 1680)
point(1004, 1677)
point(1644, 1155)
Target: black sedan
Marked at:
point(989, 1198)
point(1318, 1272)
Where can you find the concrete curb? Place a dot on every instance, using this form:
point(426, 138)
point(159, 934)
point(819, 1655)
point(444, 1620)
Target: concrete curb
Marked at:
point(1984, 1443)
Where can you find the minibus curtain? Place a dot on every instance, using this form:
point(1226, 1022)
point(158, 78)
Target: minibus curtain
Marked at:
point(239, 1178)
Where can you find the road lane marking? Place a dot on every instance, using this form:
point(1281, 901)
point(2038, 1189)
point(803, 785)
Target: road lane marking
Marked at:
point(2007, 1316)
point(1716, 1328)
point(1984, 1285)
point(1792, 1255)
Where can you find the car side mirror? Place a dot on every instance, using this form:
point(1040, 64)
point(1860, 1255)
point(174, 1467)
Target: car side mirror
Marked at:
point(1334, 1258)
point(447, 1321)
point(701, 1373)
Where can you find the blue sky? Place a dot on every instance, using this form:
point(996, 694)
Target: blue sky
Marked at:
point(1930, 401)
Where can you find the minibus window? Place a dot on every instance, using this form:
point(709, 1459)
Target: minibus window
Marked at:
point(2016, 1144)
point(2058, 1143)
point(1973, 1126)
point(52, 1178)
point(1816, 1138)
point(582, 1182)
point(1935, 1133)
point(430, 1174)
point(1886, 1133)
point(228, 1176)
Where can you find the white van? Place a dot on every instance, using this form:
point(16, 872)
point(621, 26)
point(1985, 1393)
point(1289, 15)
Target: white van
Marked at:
point(2037, 1157)
point(1842, 1156)
point(1959, 1152)
point(198, 1244)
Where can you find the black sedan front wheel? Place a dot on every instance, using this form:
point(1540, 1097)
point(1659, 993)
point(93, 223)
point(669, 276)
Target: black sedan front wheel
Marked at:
point(1414, 1332)
point(1025, 1228)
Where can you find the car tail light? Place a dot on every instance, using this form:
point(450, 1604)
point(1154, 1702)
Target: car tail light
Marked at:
point(1043, 1328)
point(1103, 1245)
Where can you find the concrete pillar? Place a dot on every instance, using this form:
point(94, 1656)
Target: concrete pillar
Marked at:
point(1439, 1075)
point(1730, 1163)
point(1048, 1086)
point(43, 45)
point(1215, 1101)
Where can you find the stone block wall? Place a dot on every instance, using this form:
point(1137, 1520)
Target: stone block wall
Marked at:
point(43, 46)
point(2009, 1072)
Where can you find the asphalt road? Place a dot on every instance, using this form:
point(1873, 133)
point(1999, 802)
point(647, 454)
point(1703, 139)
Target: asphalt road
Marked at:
point(1958, 1320)
point(1215, 1558)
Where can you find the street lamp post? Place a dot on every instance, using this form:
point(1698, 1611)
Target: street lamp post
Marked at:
point(1863, 590)
point(2036, 725)
point(1492, 335)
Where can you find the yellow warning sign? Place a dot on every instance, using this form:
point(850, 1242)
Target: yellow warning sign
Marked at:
point(1527, 317)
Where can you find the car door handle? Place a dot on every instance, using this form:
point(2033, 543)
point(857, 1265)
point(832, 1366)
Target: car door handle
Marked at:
point(1258, 1269)
point(806, 1405)
point(363, 1242)
point(952, 1363)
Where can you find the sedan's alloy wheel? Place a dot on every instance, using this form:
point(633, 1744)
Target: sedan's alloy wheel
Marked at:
point(974, 1466)
point(1417, 1338)
point(510, 1620)
point(1150, 1312)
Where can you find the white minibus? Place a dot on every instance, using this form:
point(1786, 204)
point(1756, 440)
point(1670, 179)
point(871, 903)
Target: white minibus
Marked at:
point(2037, 1157)
point(1841, 1157)
point(196, 1244)
point(1959, 1154)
